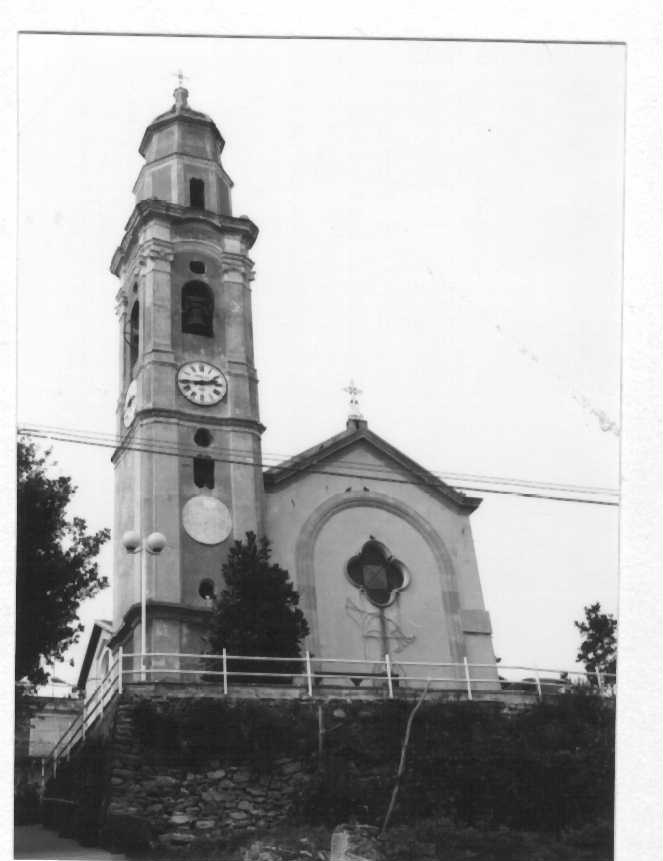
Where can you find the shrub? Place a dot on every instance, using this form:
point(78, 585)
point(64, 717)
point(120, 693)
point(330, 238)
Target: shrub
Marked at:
point(257, 613)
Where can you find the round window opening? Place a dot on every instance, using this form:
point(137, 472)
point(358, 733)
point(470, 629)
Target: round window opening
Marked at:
point(202, 437)
point(378, 574)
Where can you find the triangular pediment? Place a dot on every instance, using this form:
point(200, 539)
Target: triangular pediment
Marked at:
point(332, 457)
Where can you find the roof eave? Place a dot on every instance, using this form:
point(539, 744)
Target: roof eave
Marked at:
point(308, 459)
point(166, 119)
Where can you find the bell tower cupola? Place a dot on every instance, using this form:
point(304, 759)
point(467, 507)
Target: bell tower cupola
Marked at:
point(182, 151)
point(189, 460)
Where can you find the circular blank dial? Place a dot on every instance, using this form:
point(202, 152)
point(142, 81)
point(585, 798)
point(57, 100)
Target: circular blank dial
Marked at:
point(202, 383)
point(207, 520)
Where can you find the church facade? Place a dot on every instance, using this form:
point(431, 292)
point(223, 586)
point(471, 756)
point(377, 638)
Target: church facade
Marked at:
point(379, 549)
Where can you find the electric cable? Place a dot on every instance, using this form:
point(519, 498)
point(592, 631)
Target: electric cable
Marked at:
point(364, 471)
point(282, 460)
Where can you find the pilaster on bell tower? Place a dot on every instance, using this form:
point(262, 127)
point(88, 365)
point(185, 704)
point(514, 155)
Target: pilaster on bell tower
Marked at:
point(189, 461)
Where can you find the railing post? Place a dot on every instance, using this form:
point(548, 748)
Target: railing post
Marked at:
point(600, 681)
point(120, 665)
point(538, 683)
point(387, 663)
point(225, 672)
point(467, 678)
point(309, 679)
point(83, 720)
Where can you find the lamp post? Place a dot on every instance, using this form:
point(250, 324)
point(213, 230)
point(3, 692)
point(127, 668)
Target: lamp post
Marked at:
point(153, 544)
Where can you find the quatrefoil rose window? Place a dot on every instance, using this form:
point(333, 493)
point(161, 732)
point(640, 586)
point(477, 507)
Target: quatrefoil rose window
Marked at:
point(377, 574)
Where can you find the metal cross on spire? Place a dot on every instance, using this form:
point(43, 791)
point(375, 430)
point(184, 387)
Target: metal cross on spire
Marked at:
point(354, 393)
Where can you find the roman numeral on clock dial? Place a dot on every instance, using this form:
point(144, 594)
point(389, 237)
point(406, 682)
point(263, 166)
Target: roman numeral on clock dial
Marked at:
point(202, 383)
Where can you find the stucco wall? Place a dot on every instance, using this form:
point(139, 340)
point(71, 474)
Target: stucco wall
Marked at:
point(317, 521)
point(152, 485)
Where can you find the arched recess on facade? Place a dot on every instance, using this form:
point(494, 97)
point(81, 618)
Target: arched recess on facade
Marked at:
point(305, 553)
point(134, 336)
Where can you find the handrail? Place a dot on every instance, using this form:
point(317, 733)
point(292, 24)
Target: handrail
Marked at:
point(92, 709)
point(465, 678)
point(463, 674)
point(317, 659)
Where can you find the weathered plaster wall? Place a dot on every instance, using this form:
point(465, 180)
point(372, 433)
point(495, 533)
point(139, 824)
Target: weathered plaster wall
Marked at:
point(317, 521)
point(154, 483)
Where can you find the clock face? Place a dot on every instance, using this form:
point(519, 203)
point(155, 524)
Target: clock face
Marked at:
point(129, 404)
point(202, 383)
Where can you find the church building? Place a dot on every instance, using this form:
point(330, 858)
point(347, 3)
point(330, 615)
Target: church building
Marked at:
point(379, 549)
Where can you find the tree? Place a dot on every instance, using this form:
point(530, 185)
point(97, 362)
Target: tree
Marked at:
point(598, 650)
point(257, 612)
point(55, 567)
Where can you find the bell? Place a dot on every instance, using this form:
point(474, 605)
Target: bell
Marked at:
point(196, 317)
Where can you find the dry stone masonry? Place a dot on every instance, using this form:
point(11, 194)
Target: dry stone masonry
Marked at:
point(180, 803)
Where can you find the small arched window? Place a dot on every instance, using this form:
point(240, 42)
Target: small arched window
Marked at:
point(134, 335)
point(206, 589)
point(197, 193)
point(197, 309)
point(203, 472)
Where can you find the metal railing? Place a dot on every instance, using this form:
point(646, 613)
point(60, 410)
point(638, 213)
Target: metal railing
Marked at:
point(92, 710)
point(313, 673)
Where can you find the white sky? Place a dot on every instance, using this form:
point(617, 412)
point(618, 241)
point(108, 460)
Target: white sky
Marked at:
point(411, 198)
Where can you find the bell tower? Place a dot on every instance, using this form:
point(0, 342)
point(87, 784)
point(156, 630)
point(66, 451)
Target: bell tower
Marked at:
point(188, 462)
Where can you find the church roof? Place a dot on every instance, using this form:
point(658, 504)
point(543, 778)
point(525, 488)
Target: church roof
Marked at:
point(357, 431)
point(180, 110)
point(98, 626)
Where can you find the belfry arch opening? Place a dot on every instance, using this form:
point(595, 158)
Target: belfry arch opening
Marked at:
point(197, 193)
point(134, 335)
point(197, 309)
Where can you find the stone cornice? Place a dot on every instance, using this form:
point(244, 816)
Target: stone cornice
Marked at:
point(181, 155)
point(231, 262)
point(156, 249)
point(315, 457)
point(174, 213)
point(169, 117)
point(180, 417)
point(162, 610)
point(121, 302)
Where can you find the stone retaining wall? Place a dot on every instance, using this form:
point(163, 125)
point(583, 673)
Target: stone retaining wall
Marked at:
point(180, 764)
point(181, 803)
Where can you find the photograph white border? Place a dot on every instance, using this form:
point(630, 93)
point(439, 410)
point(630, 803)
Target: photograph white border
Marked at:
point(638, 25)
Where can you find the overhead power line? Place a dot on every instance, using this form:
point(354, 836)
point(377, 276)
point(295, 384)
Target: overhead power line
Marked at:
point(272, 459)
point(502, 486)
